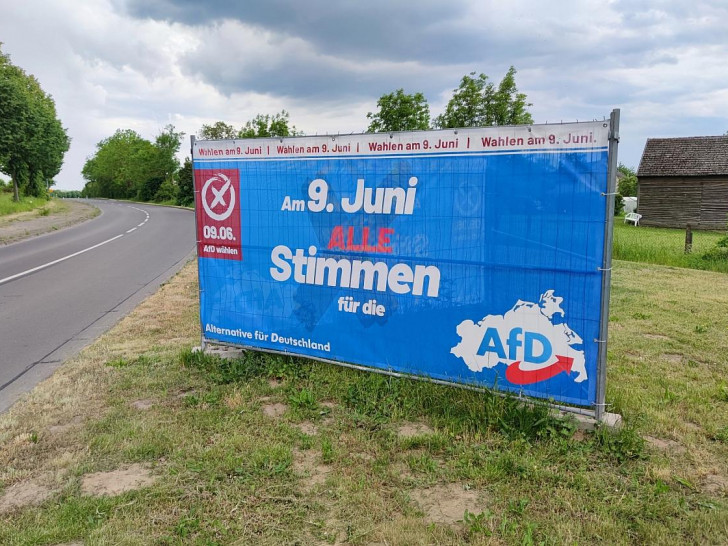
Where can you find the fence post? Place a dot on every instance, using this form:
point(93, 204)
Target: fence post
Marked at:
point(606, 268)
point(203, 342)
point(688, 239)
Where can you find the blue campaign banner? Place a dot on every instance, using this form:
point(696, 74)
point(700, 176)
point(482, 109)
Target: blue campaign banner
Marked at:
point(470, 256)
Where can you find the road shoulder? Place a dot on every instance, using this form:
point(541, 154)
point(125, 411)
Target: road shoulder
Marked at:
point(24, 225)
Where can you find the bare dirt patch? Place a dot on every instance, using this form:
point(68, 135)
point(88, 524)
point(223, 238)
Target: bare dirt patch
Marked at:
point(446, 503)
point(23, 225)
point(275, 383)
point(672, 358)
point(665, 445)
point(402, 471)
point(715, 484)
point(274, 410)
point(186, 393)
point(118, 481)
point(307, 427)
point(63, 428)
point(306, 463)
point(234, 400)
point(410, 430)
point(22, 494)
point(366, 457)
point(143, 404)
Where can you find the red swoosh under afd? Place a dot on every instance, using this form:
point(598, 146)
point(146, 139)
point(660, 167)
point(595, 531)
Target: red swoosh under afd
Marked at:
point(517, 376)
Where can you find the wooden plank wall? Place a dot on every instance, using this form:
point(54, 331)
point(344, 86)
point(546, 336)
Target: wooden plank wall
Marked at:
point(714, 208)
point(677, 201)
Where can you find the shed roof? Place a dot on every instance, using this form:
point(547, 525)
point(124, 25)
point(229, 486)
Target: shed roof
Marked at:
point(688, 156)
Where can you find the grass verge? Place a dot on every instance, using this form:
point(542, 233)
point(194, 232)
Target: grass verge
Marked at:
point(56, 214)
point(26, 204)
point(278, 450)
point(664, 246)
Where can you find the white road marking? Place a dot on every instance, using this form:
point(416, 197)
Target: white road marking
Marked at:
point(59, 260)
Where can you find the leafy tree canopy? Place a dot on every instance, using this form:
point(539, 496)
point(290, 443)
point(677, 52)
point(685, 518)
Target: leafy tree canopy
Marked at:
point(399, 111)
point(217, 131)
point(478, 103)
point(32, 140)
point(261, 126)
point(627, 183)
point(185, 184)
point(269, 126)
point(127, 166)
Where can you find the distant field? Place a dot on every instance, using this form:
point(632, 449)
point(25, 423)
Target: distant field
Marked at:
point(662, 246)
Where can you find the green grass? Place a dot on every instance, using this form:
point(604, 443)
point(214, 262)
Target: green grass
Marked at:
point(663, 246)
point(8, 206)
point(333, 466)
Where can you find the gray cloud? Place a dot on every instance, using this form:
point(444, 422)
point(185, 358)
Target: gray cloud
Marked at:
point(237, 57)
point(381, 29)
point(351, 50)
point(143, 63)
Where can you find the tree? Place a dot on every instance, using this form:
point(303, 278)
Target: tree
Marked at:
point(185, 184)
point(261, 126)
point(48, 145)
point(127, 166)
point(268, 126)
point(14, 108)
point(217, 131)
point(400, 112)
point(166, 145)
point(627, 183)
point(32, 140)
point(167, 192)
point(479, 103)
point(121, 166)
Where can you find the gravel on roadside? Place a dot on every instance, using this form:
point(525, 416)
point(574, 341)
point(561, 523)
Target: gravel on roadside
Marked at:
point(23, 225)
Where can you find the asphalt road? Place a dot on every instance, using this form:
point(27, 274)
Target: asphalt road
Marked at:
point(60, 291)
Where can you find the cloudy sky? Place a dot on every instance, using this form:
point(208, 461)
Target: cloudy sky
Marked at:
point(141, 64)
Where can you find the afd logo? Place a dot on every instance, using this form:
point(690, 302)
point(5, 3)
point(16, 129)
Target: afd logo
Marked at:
point(527, 340)
point(535, 348)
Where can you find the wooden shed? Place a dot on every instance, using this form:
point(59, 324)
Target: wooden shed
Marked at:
point(684, 181)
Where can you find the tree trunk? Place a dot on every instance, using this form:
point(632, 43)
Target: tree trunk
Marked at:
point(16, 197)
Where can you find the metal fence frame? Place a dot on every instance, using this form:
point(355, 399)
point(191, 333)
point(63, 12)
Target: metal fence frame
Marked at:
point(599, 410)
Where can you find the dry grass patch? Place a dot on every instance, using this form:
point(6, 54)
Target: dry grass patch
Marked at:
point(446, 503)
point(277, 450)
point(143, 405)
point(308, 465)
point(672, 358)
point(411, 430)
point(117, 481)
point(307, 428)
point(670, 446)
point(274, 410)
point(715, 484)
point(24, 494)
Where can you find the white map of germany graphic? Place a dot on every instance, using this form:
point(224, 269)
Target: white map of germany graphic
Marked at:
point(526, 340)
